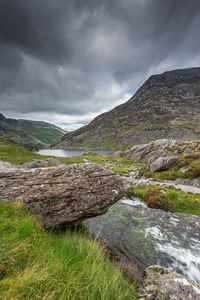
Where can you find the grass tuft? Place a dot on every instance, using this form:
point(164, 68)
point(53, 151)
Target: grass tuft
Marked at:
point(175, 200)
point(35, 264)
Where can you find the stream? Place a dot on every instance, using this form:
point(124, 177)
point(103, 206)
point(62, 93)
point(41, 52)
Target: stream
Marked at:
point(145, 236)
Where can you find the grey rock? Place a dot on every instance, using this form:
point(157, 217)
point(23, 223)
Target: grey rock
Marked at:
point(52, 161)
point(161, 148)
point(62, 196)
point(163, 163)
point(33, 164)
point(161, 283)
point(141, 183)
point(184, 170)
point(6, 165)
point(188, 182)
point(115, 154)
point(40, 163)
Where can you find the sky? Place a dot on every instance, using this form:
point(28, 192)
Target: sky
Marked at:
point(65, 62)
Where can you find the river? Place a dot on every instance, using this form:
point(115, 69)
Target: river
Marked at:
point(144, 236)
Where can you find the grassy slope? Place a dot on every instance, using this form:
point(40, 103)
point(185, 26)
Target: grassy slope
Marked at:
point(35, 264)
point(32, 134)
point(18, 155)
point(46, 135)
point(126, 165)
point(181, 202)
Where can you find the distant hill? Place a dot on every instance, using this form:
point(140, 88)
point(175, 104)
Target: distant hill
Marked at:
point(32, 134)
point(165, 106)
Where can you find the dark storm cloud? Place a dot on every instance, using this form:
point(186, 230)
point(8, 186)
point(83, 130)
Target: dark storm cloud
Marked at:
point(77, 58)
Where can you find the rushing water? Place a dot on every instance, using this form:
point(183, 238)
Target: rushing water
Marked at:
point(148, 236)
point(69, 153)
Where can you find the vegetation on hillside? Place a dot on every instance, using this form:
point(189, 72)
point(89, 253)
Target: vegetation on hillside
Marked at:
point(47, 135)
point(120, 165)
point(32, 134)
point(35, 264)
point(18, 155)
point(169, 199)
point(188, 166)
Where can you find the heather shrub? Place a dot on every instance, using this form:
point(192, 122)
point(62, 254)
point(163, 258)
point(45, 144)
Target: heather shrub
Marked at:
point(156, 198)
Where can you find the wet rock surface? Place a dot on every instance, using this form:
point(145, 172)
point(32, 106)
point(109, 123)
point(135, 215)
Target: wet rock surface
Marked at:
point(160, 283)
point(145, 236)
point(62, 196)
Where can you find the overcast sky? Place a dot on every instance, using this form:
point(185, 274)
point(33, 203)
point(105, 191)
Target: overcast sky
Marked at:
point(66, 61)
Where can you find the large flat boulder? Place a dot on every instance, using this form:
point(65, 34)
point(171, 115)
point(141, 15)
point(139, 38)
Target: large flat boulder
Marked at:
point(62, 196)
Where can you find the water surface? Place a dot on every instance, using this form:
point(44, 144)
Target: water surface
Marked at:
point(145, 236)
point(70, 153)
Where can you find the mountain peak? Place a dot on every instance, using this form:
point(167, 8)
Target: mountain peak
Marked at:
point(167, 105)
point(2, 117)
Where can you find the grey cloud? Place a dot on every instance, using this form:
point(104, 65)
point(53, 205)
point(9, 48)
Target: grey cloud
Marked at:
point(80, 57)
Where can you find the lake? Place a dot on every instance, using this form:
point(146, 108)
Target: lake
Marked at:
point(70, 153)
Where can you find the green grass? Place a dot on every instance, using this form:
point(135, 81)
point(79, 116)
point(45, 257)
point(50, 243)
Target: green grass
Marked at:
point(18, 155)
point(181, 202)
point(48, 136)
point(125, 165)
point(103, 159)
point(31, 134)
point(35, 264)
point(108, 144)
point(122, 171)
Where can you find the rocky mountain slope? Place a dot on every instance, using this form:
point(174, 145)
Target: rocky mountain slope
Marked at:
point(33, 134)
point(165, 106)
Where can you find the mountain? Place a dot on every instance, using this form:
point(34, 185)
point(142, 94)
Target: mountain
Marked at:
point(32, 134)
point(165, 106)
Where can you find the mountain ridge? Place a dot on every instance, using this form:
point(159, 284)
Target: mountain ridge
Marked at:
point(32, 134)
point(167, 105)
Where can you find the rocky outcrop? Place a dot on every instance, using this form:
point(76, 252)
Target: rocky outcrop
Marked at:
point(189, 182)
point(165, 106)
point(163, 163)
point(62, 196)
point(40, 163)
point(6, 165)
point(161, 148)
point(161, 283)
